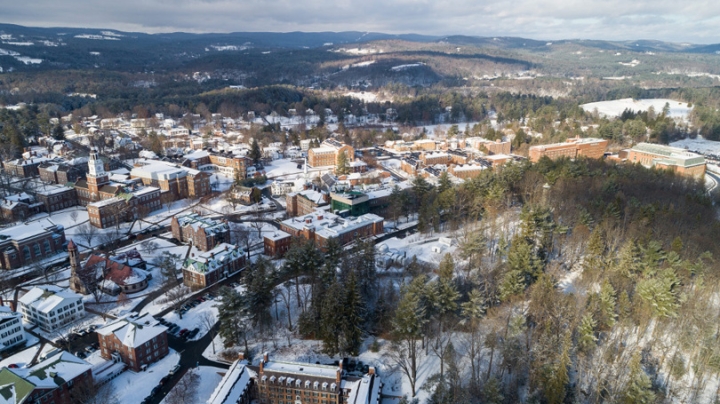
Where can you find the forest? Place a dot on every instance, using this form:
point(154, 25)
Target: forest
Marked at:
point(573, 281)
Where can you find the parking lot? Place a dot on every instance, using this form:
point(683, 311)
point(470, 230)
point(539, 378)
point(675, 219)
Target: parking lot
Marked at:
point(186, 321)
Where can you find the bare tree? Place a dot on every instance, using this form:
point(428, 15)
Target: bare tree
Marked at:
point(148, 247)
point(286, 296)
point(110, 239)
point(208, 321)
point(185, 391)
point(74, 216)
point(91, 393)
point(239, 235)
point(87, 233)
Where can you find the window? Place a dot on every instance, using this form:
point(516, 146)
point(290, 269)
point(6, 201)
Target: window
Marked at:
point(36, 249)
point(26, 252)
point(48, 249)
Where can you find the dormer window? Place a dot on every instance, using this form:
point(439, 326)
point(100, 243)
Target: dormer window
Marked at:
point(316, 385)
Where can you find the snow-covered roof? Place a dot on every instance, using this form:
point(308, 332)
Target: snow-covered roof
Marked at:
point(29, 230)
point(303, 369)
point(53, 371)
point(133, 331)
point(214, 259)
point(233, 385)
point(47, 297)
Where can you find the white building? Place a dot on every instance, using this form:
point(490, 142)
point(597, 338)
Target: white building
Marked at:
point(51, 307)
point(11, 330)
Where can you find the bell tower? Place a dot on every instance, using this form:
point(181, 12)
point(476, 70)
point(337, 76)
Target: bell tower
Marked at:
point(76, 284)
point(96, 177)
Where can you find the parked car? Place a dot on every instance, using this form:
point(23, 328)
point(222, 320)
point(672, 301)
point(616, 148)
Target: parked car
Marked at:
point(155, 390)
point(174, 370)
point(183, 331)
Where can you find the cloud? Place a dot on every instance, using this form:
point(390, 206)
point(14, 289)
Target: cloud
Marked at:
point(694, 21)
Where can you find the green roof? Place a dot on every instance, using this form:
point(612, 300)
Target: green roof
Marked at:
point(23, 388)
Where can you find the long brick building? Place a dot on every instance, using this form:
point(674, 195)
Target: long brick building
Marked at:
point(663, 157)
point(203, 233)
point(327, 154)
point(573, 148)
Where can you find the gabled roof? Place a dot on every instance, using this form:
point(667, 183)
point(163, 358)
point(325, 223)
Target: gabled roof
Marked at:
point(46, 298)
point(233, 385)
point(133, 331)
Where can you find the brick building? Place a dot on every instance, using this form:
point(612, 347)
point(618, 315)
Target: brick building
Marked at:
point(236, 386)
point(305, 202)
point(326, 155)
point(277, 243)
point(572, 148)
point(321, 226)
point(25, 168)
point(60, 379)
point(26, 243)
point(56, 197)
point(663, 157)
point(177, 181)
point(19, 206)
point(61, 173)
point(466, 171)
point(293, 382)
point(201, 270)
point(135, 341)
point(431, 159)
point(203, 233)
point(124, 207)
point(226, 163)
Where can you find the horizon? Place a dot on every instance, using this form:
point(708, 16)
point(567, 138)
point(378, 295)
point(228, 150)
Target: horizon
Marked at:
point(542, 20)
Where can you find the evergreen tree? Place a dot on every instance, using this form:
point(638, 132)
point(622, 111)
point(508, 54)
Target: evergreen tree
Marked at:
point(586, 333)
point(352, 318)
point(343, 166)
point(255, 153)
point(331, 321)
point(231, 313)
point(659, 293)
point(638, 387)
point(492, 392)
point(606, 300)
point(58, 132)
point(408, 325)
point(555, 390)
point(258, 281)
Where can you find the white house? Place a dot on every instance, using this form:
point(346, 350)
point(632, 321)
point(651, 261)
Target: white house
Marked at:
point(11, 330)
point(51, 307)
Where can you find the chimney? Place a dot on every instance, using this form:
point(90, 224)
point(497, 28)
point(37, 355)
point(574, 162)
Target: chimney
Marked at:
point(371, 370)
point(266, 357)
point(338, 374)
point(241, 356)
point(262, 367)
point(308, 220)
point(320, 217)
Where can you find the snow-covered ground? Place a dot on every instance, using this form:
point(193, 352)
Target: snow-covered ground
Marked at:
point(193, 317)
point(131, 387)
point(209, 378)
point(365, 96)
point(678, 109)
point(699, 145)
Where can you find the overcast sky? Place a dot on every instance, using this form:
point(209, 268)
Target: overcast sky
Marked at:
point(667, 20)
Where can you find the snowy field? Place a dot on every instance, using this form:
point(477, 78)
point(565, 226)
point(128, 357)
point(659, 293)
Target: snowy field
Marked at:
point(699, 145)
point(210, 377)
point(131, 387)
point(679, 110)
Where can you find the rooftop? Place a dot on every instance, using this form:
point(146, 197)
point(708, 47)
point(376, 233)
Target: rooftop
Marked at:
point(47, 297)
point(133, 331)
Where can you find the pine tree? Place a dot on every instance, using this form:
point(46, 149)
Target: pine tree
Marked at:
point(659, 293)
point(606, 301)
point(331, 322)
point(555, 390)
point(58, 132)
point(444, 183)
point(343, 166)
point(352, 318)
point(408, 325)
point(492, 392)
point(258, 282)
point(624, 306)
point(230, 314)
point(255, 153)
point(638, 387)
point(586, 333)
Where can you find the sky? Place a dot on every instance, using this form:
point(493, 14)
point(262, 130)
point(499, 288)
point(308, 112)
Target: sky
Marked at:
point(675, 21)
